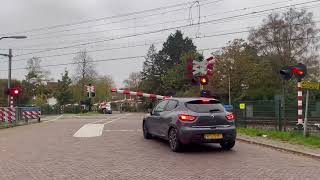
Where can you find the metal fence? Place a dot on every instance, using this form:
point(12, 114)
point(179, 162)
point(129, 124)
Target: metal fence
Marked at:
point(276, 115)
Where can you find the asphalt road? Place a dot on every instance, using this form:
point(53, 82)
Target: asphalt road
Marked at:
point(112, 147)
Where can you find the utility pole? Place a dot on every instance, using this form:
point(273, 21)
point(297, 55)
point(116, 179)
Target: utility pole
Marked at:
point(229, 90)
point(9, 74)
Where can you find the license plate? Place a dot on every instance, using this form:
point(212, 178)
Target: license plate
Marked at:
point(213, 136)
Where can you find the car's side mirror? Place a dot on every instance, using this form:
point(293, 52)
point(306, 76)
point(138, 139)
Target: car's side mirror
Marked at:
point(150, 111)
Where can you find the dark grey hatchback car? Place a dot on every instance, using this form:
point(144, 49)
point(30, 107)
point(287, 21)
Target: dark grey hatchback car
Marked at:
point(184, 121)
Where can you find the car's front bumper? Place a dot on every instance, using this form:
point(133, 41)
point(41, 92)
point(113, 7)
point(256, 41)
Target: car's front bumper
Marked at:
point(196, 134)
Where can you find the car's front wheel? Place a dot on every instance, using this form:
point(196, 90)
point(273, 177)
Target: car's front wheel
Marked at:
point(174, 141)
point(146, 133)
point(227, 144)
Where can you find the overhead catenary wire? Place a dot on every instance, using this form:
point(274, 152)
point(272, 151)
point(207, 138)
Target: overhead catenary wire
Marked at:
point(105, 18)
point(100, 38)
point(143, 56)
point(165, 29)
point(205, 16)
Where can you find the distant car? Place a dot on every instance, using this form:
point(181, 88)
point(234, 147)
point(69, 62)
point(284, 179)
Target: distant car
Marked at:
point(184, 121)
point(105, 108)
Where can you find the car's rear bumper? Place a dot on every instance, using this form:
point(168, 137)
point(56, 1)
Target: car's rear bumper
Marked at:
point(196, 134)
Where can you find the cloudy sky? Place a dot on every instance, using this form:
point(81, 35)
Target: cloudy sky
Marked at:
point(57, 29)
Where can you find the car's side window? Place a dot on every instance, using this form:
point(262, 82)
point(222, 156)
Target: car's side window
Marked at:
point(171, 105)
point(160, 107)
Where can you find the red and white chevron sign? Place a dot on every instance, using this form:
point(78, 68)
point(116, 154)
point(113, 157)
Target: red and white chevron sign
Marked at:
point(7, 114)
point(140, 94)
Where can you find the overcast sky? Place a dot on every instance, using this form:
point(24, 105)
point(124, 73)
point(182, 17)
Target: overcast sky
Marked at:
point(111, 38)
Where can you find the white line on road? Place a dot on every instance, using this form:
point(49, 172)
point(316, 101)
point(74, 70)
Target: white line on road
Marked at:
point(105, 119)
point(123, 130)
point(53, 119)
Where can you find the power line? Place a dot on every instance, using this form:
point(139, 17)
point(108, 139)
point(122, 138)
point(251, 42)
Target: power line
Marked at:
point(130, 46)
point(242, 9)
point(166, 29)
point(135, 57)
point(164, 22)
point(93, 61)
point(205, 36)
point(235, 18)
point(105, 18)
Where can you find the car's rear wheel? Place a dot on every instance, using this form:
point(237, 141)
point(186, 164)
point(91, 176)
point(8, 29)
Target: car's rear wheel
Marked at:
point(146, 133)
point(228, 144)
point(174, 142)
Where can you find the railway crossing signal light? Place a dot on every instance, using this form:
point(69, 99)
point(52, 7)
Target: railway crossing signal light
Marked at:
point(299, 71)
point(203, 80)
point(16, 91)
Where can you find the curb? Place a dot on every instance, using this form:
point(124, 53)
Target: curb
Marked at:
point(312, 155)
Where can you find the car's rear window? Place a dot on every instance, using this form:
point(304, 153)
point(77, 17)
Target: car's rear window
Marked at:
point(203, 106)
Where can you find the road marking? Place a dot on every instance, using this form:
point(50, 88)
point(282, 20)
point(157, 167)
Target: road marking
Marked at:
point(123, 130)
point(94, 130)
point(53, 119)
point(105, 119)
point(90, 130)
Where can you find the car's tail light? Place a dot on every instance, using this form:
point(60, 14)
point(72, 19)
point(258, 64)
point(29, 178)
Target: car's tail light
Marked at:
point(231, 117)
point(187, 118)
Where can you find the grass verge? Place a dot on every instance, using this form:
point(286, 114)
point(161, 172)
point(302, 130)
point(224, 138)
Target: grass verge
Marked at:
point(290, 137)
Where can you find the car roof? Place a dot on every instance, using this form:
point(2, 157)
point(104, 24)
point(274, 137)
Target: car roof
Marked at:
point(187, 99)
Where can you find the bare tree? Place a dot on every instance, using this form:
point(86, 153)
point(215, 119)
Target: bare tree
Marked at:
point(289, 37)
point(134, 80)
point(85, 71)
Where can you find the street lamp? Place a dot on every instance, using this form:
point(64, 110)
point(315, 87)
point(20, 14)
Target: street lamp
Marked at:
point(10, 59)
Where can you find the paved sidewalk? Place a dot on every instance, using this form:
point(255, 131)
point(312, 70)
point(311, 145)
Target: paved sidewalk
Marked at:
point(280, 145)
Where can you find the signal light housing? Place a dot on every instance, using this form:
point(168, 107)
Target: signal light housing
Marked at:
point(286, 73)
point(299, 71)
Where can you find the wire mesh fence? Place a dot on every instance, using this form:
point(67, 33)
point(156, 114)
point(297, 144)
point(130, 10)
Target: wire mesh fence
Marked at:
point(275, 115)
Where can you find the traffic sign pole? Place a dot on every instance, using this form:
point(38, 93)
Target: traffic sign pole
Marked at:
point(305, 127)
point(300, 110)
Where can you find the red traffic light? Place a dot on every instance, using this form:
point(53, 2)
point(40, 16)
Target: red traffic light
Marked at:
point(299, 71)
point(113, 90)
point(15, 91)
point(204, 80)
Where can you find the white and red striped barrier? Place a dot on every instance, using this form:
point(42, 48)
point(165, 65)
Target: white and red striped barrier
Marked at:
point(300, 109)
point(7, 114)
point(139, 94)
point(31, 114)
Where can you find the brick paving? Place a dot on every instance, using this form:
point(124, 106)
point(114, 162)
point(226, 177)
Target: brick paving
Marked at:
point(49, 151)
